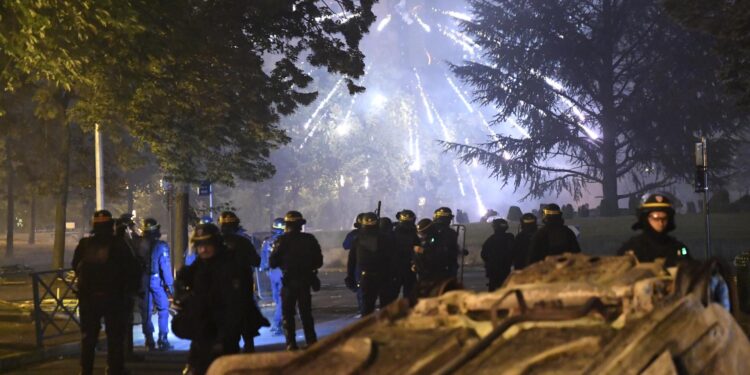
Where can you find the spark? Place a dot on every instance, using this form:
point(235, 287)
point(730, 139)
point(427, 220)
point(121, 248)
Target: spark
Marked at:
point(425, 26)
point(519, 127)
point(449, 137)
point(366, 185)
point(480, 205)
point(416, 165)
point(459, 15)
point(342, 181)
point(422, 201)
point(382, 24)
point(323, 103)
point(460, 96)
point(466, 43)
point(430, 119)
point(342, 17)
point(379, 100)
point(429, 57)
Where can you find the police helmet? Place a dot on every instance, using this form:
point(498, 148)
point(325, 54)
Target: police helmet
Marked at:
point(385, 224)
point(358, 220)
point(205, 233)
point(150, 225)
point(278, 223)
point(655, 203)
point(102, 216)
point(528, 218)
point(406, 215)
point(369, 219)
point(424, 225)
point(229, 218)
point(443, 213)
point(294, 217)
point(206, 219)
point(126, 219)
point(500, 225)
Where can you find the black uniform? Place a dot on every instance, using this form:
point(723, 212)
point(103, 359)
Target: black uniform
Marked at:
point(554, 238)
point(447, 240)
point(299, 256)
point(521, 248)
point(498, 256)
point(435, 262)
point(403, 257)
point(108, 277)
point(212, 295)
point(242, 251)
point(369, 260)
point(650, 245)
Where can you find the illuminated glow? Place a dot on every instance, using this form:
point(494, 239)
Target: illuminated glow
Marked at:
point(429, 57)
point(422, 201)
point(342, 181)
point(460, 96)
point(382, 24)
point(366, 185)
point(343, 129)
point(416, 165)
point(379, 100)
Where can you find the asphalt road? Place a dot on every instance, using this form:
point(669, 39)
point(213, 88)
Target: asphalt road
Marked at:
point(333, 308)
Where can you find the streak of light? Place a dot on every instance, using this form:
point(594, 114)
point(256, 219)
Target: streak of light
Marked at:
point(557, 86)
point(519, 127)
point(425, 26)
point(482, 209)
point(459, 15)
point(416, 165)
point(430, 119)
point(323, 103)
point(449, 137)
point(341, 16)
point(466, 43)
point(382, 24)
point(342, 181)
point(460, 95)
point(429, 57)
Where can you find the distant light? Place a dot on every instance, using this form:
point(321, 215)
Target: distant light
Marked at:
point(422, 201)
point(342, 181)
point(506, 155)
point(460, 95)
point(343, 129)
point(384, 23)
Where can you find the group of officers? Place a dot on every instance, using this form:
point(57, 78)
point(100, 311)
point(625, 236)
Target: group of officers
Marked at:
point(121, 265)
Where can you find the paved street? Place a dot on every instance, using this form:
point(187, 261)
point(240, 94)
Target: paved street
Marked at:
point(334, 308)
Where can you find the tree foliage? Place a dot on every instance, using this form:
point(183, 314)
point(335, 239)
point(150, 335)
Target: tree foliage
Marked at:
point(609, 91)
point(727, 22)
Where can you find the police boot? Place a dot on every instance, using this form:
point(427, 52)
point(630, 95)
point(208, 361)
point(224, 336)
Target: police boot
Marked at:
point(150, 344)
point(291, 338)
point(163, 343)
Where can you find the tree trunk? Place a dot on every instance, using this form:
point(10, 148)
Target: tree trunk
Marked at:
point(11, 209)
point(609, 205)
point(58, 249)
point(181, 207)
point(32, 219)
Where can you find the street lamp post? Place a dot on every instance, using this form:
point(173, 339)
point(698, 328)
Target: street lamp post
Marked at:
point(99, 167)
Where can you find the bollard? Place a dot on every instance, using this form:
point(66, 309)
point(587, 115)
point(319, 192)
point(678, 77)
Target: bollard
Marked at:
point(742, 265)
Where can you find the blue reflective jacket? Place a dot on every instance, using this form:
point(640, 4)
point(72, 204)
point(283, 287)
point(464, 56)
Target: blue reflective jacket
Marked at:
point(161, 264)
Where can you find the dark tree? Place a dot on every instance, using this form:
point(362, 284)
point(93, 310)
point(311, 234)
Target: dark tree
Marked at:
point(608, 91)
point(727, 22)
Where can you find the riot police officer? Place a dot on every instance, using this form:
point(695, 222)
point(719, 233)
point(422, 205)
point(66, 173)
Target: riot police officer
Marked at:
point(523, 240)
point(497, 254)
point(447, 238)
point(433, 260)
point(240, 247)
point(210, 294)
point(655, 220)
point(299, 256)
point(274, 274)
point(369, 260)
point(406, 240)
point(158, 284)
point(107, 277)
point(353, 282)
point(126, 229)
point(554, 238)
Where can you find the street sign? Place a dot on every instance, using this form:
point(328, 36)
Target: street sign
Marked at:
point(204, 189)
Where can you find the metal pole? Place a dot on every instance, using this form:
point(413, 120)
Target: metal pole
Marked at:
point(706, 208)
point(211, 202)
point(99, 168)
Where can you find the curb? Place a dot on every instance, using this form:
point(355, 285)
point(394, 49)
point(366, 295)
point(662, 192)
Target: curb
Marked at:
point(21, 359)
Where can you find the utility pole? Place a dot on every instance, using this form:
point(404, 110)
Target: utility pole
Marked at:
point(99, 167)
point(701, 185)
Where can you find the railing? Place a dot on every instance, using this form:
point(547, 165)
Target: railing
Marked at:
point(55, 304)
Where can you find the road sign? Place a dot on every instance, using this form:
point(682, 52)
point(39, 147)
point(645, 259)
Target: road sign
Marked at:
point(204, 188)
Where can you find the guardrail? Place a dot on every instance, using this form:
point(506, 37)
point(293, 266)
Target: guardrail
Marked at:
point(55, 304)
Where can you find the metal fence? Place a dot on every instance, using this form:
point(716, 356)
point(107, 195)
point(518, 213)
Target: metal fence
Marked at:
point(55, 304)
